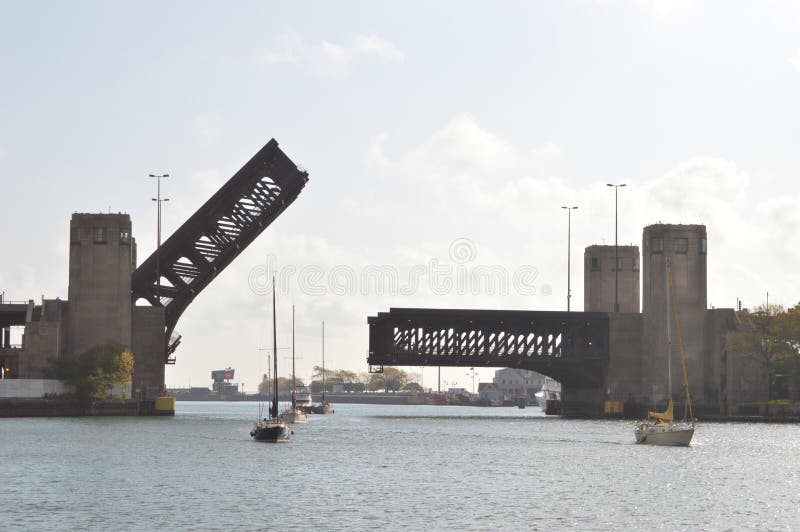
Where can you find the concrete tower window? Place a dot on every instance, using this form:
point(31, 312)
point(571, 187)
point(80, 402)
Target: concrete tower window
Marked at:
point(636, 264)
point(681, 245)
point(595, 264)
point(618, 267)
point(703, 245)
point(99, 235)
point(656, 245)
point(124, 236)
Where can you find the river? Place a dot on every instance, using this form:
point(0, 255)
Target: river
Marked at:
point(376, 467)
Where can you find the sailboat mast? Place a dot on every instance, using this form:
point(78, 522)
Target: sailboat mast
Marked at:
point(293, 385)
point(274, 412)
point(323, 361)
point(669, 335)
point(680, 349)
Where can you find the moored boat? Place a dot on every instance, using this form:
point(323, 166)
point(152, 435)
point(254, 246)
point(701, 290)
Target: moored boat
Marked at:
point(303, 399)
point(294, 414)
point(550, 391)
point(324, 407)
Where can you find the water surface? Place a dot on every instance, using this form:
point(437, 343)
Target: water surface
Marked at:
point(379, 467)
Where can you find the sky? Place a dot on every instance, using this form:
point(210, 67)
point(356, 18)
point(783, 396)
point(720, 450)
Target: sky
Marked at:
point(441, 140)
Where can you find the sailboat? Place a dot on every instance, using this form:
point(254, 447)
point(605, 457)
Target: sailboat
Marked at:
point(272, 429)
point(324, 407)
point(294, 414)
point(660, 428)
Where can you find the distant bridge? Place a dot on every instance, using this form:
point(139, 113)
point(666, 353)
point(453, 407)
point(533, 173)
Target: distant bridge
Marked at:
point(571, 347)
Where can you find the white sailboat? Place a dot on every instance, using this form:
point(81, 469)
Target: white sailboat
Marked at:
point(660, 428)
point(294, 414)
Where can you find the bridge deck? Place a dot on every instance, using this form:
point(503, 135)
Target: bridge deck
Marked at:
point(13, 314)
point(568, 346)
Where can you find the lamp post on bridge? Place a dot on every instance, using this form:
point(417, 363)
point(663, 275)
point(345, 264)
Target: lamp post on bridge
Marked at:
point(616, 246)
point(159, 201)
point(569, 246)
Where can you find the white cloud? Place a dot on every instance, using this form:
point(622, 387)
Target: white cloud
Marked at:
point(288, 49)
point(207, 127)
point(796, 60)
point(465, 168)
point(209, 180)
point(327, 57)
point(374, 46)
point(665, 8)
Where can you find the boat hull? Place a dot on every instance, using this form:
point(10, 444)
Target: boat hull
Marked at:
point(679, 436)
point(294, 416)
point(324, 408)
point(271, 432)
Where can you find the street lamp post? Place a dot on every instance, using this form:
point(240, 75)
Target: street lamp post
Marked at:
point(569, 268)
point(616, 246)
point(159, 201)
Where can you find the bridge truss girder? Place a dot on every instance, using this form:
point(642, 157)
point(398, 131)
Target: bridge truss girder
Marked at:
point(217, 233)
point(571, 347)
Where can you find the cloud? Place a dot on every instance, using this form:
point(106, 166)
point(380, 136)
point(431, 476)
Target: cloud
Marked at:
point(796, 60)
point(209, 180)
point(465, 168)
point(374, 46)
point(665, 8)
point(327, 57)
point(207, 127)
point(289, 48)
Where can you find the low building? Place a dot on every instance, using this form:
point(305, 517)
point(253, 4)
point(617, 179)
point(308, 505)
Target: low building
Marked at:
point(512, 383)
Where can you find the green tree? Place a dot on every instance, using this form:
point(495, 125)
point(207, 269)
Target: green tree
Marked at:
point(284, 385)
point(770, 336)
point(413, 387)
point(94, 372)
point(392, 379)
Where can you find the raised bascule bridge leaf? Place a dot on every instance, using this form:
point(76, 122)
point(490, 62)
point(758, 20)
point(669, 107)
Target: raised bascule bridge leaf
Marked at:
point(217, 233)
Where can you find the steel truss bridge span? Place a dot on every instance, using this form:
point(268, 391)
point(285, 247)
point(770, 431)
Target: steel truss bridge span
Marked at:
point(571, 347)
point(217, 233)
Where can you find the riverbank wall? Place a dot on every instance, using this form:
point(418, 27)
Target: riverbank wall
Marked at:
point(61, 407)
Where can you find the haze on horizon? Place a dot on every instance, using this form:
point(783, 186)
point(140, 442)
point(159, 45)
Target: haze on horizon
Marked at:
point(448, 133)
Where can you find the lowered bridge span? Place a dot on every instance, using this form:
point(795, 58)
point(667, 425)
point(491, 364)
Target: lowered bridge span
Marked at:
point(571, 347)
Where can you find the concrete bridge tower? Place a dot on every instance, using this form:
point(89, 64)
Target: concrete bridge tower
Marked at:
point(101, 260)
point(685, 246)
point(601, 278)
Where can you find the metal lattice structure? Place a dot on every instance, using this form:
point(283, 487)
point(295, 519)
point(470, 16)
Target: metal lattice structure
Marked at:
point(568, 346)
point(218, 232)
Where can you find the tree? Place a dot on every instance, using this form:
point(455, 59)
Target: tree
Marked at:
point(769, 336)
point(94, 372)
point(284, 385)
point(392, 379)
point(413, 387)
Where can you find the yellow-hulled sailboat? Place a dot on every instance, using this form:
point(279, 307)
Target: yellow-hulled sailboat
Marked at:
point(660, 428)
